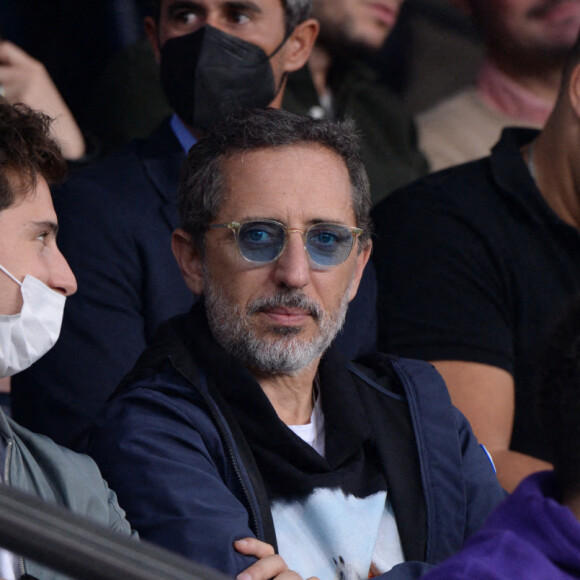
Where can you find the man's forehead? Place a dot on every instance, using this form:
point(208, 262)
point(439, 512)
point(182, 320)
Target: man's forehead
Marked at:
point(291, 154)
point(306, 178)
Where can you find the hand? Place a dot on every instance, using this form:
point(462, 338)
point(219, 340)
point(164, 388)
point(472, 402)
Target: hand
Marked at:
point(269, 564)
point(25, 80)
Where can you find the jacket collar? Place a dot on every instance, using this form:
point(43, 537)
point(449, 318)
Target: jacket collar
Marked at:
point(184, 335)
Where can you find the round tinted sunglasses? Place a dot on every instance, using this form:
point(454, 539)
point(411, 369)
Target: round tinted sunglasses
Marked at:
point(263, 241)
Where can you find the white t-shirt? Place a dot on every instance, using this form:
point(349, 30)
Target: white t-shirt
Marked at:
point(361, 532)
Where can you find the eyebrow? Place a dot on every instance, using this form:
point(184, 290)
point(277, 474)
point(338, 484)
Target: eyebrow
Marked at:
point(244, 5)
point(45, 225)
point(182, 4)
point(311, 222)
point(233, 5)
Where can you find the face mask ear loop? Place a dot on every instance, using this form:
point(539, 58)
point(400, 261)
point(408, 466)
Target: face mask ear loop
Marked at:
point(284, 77)
point(10, 275)
point(276, 51)
point(279, 47)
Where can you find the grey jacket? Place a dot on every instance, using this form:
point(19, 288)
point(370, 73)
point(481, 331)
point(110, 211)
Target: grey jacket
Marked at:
point(35, 464)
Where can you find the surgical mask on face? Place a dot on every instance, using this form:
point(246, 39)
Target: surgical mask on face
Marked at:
point(208, 74)
point(27, 336)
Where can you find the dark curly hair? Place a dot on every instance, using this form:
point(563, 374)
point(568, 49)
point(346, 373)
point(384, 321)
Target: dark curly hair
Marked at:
point(26, 151)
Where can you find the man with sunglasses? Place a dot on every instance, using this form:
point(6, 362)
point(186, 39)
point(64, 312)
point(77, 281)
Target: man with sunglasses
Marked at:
point(241, 438)
point(117, 216)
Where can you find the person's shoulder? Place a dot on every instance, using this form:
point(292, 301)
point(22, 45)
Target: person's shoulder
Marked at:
point(59, 475)
point(164, 382)
point(453, 108)
point(455, 187)
point(168, 364)
point(105, 184)
point(459, 129)
point(126, 170)
point(397, 376)
point(51, 457)
point(355, 81)
point(129, 186)
point(475, 191)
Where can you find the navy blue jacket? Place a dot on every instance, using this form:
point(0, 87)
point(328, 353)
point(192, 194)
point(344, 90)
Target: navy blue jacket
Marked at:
point(116, 219)
point(171, 448)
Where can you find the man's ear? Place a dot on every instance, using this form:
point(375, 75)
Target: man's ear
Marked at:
point(361, 261)
point(299, 45)
point(189, 260)
point(153, 36)
point(574, 90)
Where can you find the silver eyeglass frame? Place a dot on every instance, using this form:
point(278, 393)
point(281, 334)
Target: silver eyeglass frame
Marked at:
point(235, 227)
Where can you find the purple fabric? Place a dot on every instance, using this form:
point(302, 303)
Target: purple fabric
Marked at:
point(529, 535)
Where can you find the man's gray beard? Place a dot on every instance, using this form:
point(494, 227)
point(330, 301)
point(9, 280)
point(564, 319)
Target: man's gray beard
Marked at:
point(281, 351)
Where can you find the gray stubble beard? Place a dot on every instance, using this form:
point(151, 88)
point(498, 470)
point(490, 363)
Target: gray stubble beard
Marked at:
point(281, 351)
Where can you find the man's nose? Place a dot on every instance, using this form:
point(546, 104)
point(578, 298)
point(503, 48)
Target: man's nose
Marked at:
point(213, 19)
point(61, 277)
point(292, 269)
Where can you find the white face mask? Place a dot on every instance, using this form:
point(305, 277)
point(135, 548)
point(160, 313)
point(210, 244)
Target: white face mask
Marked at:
point(30, 334)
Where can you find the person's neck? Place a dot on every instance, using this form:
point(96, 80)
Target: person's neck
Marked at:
point(556, 176)
point(319, 64)
point(291, 395)
point(541, 79)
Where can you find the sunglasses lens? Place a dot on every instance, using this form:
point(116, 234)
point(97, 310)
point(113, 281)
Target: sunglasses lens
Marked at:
point(329, 244)
point(260, 241)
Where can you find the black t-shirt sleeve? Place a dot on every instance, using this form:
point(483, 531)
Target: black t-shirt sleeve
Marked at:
point(442, 284)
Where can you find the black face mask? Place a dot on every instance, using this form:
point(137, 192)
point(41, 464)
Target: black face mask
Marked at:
point(208, 74)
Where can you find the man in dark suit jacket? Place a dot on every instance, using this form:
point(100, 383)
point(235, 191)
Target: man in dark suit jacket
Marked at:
point(116, 223)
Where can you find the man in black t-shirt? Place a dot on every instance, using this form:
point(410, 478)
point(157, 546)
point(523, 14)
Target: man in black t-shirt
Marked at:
point(476, 262)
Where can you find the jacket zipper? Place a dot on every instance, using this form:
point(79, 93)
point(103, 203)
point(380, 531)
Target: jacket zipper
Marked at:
point(253, 511)
point(421, 450)
point(233, 459)
point(9, 446)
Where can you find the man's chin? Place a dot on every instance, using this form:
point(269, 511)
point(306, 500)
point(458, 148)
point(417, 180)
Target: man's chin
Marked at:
point(281, 331)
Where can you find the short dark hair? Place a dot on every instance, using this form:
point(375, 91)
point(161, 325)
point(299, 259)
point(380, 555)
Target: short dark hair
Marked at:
point(558, 398)
point(201, 188)
point(295, 12)
point(26, 151)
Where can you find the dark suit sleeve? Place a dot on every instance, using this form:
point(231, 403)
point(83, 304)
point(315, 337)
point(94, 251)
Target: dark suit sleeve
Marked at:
point(103, 328)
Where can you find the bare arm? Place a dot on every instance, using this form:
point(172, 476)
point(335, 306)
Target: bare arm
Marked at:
point(485, 395)
point(25, 80)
